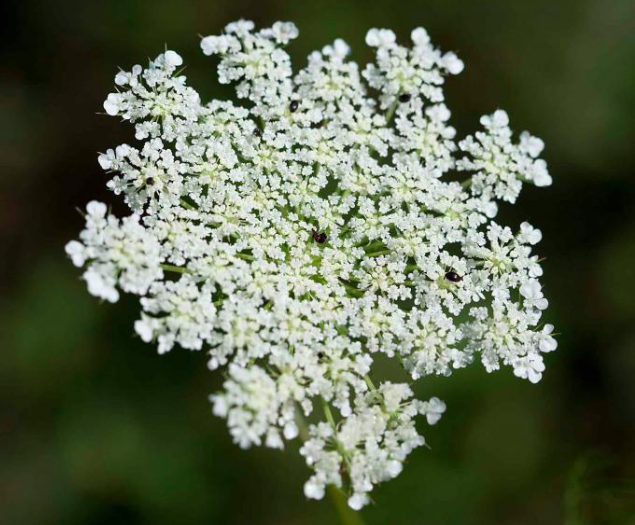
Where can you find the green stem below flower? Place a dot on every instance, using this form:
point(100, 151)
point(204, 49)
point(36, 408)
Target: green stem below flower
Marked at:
point(346, 514)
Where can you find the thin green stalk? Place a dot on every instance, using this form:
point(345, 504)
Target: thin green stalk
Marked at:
point(175, 269)
point(377, 254)
point(344, 194)
point(187, 205)
point(347, 515)
point(328, 414)
point(391, 112)
point(303, 428)
point(355, 292)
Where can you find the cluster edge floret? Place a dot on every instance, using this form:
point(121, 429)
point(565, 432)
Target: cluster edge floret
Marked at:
point(328, 217)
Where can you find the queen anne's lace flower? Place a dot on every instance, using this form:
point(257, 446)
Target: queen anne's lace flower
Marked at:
point(299, 235)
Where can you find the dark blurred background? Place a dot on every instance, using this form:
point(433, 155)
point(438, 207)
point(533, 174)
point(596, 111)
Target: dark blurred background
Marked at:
point(96, 428)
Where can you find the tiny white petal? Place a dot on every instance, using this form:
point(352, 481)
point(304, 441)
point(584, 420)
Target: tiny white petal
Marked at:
point(173, 59)
point(357, 501)
point(96, 209)
point(111, 105)
point(77, 252)
point(144, 330)
point(121, 78)
point(452, 63)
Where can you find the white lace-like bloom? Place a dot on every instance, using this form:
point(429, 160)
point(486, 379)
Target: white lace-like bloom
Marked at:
point(322, 222)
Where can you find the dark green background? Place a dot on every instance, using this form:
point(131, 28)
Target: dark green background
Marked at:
point(97, 428)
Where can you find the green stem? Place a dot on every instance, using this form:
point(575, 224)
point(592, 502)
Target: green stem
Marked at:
point(391, 112)
point(346, 514)
point(369, 382)
point(329, 415)
point(377, 254)
point(344, 194)
point(187, 205)
point(175, 269)
point(355, 292)
point(303, 428)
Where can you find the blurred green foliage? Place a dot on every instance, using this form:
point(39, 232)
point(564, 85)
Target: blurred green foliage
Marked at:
point(96, 428)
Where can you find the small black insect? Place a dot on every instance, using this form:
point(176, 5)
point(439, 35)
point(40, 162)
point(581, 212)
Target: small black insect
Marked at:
point(293, 106)
point(257, 132)
point(453, 277)
point(150, 181)
point(404, 97)
point(319, 237)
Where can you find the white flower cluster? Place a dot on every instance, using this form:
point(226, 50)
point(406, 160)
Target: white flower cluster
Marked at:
point(322, 222)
